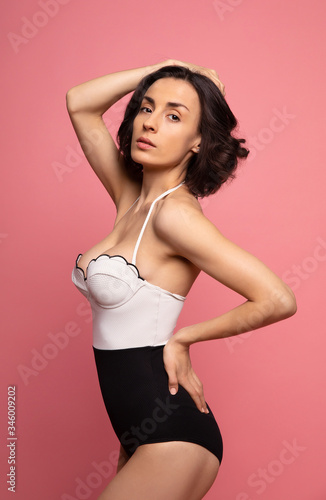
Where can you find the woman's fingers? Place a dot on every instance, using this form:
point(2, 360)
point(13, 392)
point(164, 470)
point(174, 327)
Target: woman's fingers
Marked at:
point(179, 370)
point(195, 388)
point(171, 370)
point(210, 73)
point(173, 381)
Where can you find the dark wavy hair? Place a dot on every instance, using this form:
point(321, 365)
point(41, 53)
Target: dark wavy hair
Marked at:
point(219, 151)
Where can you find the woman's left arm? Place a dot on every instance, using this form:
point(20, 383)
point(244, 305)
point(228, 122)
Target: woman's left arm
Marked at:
point(269, 299)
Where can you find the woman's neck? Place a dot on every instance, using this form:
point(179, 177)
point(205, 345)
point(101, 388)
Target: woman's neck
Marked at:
point(156, 183)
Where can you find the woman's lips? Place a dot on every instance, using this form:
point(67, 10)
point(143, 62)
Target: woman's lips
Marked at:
point(144, 143)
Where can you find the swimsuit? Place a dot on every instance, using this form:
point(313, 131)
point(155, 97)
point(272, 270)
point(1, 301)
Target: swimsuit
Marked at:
point(132, 321)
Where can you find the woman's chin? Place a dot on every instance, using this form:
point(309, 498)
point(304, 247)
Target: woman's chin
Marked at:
point(136, 155)
point(140, 157)
point(136, 158)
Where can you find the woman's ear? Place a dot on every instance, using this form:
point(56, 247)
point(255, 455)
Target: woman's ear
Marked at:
point(196, 144)
point(195, 149)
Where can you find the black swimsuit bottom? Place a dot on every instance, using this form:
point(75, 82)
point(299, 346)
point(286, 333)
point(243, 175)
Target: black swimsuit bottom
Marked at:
point(134, 386)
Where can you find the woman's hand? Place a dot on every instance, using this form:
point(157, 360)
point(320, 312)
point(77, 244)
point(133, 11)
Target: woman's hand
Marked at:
point(178, 367)
point(210, 73)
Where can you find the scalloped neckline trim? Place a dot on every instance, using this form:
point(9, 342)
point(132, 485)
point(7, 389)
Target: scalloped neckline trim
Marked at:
point(176, 295)
point(110, 257)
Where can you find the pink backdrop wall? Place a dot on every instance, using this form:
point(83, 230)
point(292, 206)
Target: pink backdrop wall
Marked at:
point(267, 388)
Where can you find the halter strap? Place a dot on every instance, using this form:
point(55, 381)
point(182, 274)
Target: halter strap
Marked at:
point(147, 217)
point(131, 206)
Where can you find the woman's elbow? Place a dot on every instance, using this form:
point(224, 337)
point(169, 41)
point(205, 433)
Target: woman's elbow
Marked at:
point(286, 302)
point(71, 100)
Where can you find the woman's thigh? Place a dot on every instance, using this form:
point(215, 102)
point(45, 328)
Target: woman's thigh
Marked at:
point(159, 471)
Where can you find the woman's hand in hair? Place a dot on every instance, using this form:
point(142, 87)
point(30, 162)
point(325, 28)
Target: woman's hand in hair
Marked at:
point(210, 73)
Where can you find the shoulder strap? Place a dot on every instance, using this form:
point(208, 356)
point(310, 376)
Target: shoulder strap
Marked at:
point(147, 217)
point(131, 206)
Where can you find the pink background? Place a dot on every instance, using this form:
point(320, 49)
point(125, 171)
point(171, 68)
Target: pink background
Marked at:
point(267, 388)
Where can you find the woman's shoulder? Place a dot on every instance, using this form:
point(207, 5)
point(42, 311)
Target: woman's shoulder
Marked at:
point(177, 203)
point(176, 214)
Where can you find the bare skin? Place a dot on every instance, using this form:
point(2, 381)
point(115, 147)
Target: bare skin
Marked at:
point(178, 243)
point(161, 471)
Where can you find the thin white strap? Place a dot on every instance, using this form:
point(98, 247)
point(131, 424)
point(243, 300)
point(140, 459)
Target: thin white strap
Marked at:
point(131, 206)
point(147, 217)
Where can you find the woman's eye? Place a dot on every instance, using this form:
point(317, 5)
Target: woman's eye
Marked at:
point(174, 118)
point(145, 108)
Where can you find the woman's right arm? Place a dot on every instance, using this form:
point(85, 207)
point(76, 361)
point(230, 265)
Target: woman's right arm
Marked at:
point(86, 103)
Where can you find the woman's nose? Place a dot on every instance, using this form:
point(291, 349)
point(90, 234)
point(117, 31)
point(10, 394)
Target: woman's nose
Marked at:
point(150, 122)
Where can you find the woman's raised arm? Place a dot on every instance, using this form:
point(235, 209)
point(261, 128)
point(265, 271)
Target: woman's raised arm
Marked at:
point(86, 103)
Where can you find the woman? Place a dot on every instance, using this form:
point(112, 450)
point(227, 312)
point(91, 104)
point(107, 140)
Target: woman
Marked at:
point(175, 144)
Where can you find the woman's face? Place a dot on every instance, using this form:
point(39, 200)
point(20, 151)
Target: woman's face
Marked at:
point(168, 117)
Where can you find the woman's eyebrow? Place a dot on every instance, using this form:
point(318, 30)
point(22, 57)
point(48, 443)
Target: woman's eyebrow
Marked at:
point(168, 104)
